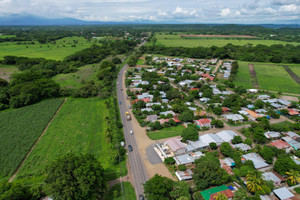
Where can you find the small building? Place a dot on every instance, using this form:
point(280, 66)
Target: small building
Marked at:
point(225, 110)
point(258, 161)
point(204, 99)
point(234, 117)
point(226, 135)
point(270, 176)
point(176, 146)
point(144, 100)
point(242, 146)
point(185, 159)
point(168, 112)
point(152, 118)
point(184, 175)
point(205, 122)
point(272, 135)
point(253, 114)
point(279, 144)
point(293, 112)
point(283, 193)
point(263, 97)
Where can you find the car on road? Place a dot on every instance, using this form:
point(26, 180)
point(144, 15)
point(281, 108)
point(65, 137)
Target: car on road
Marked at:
point(130, 148)
point(131, 132)
point(121, 89)
point(120, 102)
point(141, 197)
point(129, 106)
point(117, 83)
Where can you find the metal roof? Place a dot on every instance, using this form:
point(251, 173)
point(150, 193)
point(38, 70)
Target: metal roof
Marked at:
point(283, 193)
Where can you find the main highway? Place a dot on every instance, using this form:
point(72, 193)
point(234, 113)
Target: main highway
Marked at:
point(135, 162)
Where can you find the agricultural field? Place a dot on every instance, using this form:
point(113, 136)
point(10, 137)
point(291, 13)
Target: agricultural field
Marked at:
point(7, 36)
point(295, 69)
point(7, 70)
point(73, 80)
point(275, 78)
point(115, 192)
point(57, 51)
point(243, 76)
point(78, 128)
point(166, 132)
point(19, 130)
point(177, 41)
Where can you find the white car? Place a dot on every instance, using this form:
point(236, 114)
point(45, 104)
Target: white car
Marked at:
point(117, 83)
point(131, 132)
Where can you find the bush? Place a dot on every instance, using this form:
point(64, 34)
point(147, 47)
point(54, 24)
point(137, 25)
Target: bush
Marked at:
point(169, 161)
point(237, 140)
point(297, 189)
point(213, 146)
point(181, 167)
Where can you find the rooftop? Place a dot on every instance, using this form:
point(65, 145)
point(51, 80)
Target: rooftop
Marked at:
point(283, 193)
point(279, 144)
point(207, 193)
point(258, 161)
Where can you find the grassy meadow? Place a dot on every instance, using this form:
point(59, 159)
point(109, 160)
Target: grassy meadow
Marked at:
point(295, 69)
point(177, 41)
point(7, 70)
point(19, 130)
point(73, 80)
point(243, 75)
point(7, 36)
point(115, 192)
point(78, 128)
point(166, 132)
point(57, 51)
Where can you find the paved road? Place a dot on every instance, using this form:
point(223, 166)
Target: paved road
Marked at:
point(136, 165)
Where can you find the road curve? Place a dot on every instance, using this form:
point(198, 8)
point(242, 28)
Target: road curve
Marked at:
point(135, 162)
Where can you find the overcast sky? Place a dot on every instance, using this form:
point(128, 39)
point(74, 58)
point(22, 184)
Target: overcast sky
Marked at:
point(181, 11)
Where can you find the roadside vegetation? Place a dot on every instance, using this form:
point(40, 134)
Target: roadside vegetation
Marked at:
point(116, 192)
point(19, 130)
point(166, 132)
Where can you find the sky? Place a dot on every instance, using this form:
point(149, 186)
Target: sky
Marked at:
point(160, 11)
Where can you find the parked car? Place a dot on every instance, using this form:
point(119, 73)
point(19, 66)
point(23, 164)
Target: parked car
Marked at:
point(120, 102)
point(130, 148)
point(141, 197)
point(129, 106)
point(131, 132)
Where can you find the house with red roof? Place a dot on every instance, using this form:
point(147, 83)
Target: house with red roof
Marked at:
point(208, 76)
point(225, 110)
point(194, 89)
point(293, 112)
point(205, 122)
point(144, 100)
point(280, 144)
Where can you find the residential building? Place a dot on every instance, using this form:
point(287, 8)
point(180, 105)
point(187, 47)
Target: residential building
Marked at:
point(272, 135)
point(176, 146)
point(226, 135)
point(205, 122)
point(258, 161)
point(234, 117)
point(184, 175)
point(283, 193)
point(152, 118)
point(270, 176)
point(242, 146)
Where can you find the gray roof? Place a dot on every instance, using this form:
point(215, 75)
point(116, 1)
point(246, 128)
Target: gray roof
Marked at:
point(234, 117)
point(242, 146)
point(229, 161)
point(270, 176)
point(184, 159)
point(258, 161)
point(226, 135)
point(272, 134)
point(283, 193)
point(294, 144)
point(152, 118)
point(184, 175)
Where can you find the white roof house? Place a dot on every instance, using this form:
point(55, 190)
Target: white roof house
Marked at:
point(184, 159)
point(226, 135)
point(283, 193)
point(184, 175)
point(242, 146)
point(234, 117)
point(270, 176)
point(272, 134)
point(168, 112)
point(258, 161)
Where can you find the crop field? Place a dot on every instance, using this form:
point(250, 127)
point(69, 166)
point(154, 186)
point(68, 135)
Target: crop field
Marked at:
point(73, 80)
point(275, 78)
point(243, 76)
point(7, 36)
point(78, 128)
point(115, 192)
point(58, 51)
point(177, 41)
point(19, 130)
point(7, 70)
point(295, 69)
point(166, 132)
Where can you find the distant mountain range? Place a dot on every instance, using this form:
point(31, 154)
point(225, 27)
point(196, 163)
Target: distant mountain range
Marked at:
point(27, 20)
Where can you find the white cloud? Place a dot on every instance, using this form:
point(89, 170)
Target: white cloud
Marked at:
point(289, 8)
point(225, 12)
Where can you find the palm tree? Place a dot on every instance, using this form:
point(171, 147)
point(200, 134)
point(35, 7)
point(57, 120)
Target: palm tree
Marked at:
point(220, 196)
point(254, 182)
point(293, 177)
point(198, 111)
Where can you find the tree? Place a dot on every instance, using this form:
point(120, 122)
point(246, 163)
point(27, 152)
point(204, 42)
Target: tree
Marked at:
point(190, 133)
point(226, 149)
point(240, 194)
point(181, 167)
point(293, 177)
point(180, 189)
point(75, 177)
point(237, 139)
point(217, 110)
point(267, 153)
point(14, 191)
point(248, 141)
point(213, 146)
point(217, 123)
point(187, 116)
point(158, 187)
point(169, 161)
point(220, 196)
point(259, 104)
point(283, 164)
point(254, 182)
point(208, 172)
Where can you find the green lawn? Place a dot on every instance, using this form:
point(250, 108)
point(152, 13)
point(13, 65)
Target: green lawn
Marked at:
point(295, 69)
point(116, 193)
point(58, 51)
point(177, 41)
point(7, 36)
point(78, 128)
point(275, 78)
point(73, 80)
point(7, 70)
point(140, 62)
point(19, 130)
point(243, 75)
point(166, 132)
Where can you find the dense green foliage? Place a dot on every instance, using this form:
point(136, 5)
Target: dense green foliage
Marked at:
point(74, 177)
point(17, 191)
point(189, 133)
point(158, 187)
point(284, 163)
point(19, 129)
point(116, 192)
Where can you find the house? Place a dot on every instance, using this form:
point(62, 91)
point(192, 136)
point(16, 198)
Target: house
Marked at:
point(263, 97)
point(284, 102)
point(208, 76)
point(204, 99)
point(176, 146)
point(252, 90)
point(210, 194)
point(185, 159)
point(278, 106)
point(205, 122)
point(293, 112)
point(226, 135)
point(144, 100)
point(272, 135)
point(270, 176)
point(283, 193)
point(185, 82)
point(234, 117)
point(145, 96)
point(242, 146)
point(258, 161)
point(152, 118)
point(149, 105)
point(225, 110)
point(184, 175)
point(146, 109)
point(292, 135)
point(167, 112)
point(204, 141)
point(226, 164)
point(253, 115)
point(135, 89)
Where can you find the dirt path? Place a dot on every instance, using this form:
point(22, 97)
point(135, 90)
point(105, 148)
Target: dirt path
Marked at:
point(292, 74)
point(32, 148)
point(253, 77)
point(143, 141)
point(217, 66)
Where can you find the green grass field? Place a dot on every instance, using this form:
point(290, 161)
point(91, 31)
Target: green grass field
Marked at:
point(177, 41)
point(7, 36)
point(166, 132)
point(19, 130)
point(7, 70)
point(78, 128)
point(73, 80)
point(275, 78)
point(243, 75)
point(58, 51)
point(115, 192)
point(295, 69)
